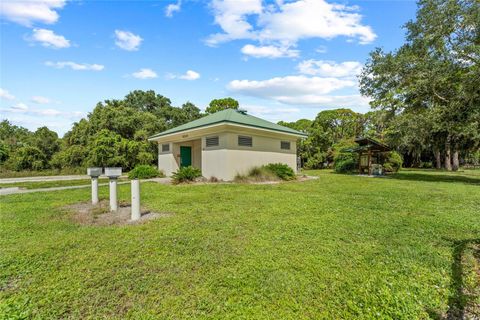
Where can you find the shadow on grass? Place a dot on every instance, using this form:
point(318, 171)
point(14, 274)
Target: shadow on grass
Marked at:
point(436, 177)
point(457, 300)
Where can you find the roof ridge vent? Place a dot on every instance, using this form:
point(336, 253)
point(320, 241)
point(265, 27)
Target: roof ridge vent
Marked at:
point(242, 111)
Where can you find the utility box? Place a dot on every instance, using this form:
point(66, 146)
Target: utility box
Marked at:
point(94, 172)
point(113, 172)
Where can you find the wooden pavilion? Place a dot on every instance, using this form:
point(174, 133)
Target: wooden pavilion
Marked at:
point(369, 152)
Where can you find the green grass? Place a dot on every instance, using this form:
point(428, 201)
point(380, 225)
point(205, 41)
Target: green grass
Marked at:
point(51, 184)
point(336, 247)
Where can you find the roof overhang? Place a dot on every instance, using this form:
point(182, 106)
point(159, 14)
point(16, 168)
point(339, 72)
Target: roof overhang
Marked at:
point(219, 127)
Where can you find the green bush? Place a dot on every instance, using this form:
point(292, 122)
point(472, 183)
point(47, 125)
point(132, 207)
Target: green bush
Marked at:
point(281, 170)
point(144, 172)
point(256, 174)
point(394, 162)
point(268, 172)
point(345, 162)
point(186, 174)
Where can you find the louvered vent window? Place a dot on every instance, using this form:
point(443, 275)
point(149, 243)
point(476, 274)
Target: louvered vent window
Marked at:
point(165, 147)
point(212, 141)
point(285, 145)
point(244, 141)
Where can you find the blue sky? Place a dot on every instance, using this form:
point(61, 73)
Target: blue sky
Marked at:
point(283, 60)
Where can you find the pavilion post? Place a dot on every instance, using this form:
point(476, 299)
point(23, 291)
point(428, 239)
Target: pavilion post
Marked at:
point(369, 162)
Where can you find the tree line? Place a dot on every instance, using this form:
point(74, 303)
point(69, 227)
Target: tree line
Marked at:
point(114, 134)
point(425, 99)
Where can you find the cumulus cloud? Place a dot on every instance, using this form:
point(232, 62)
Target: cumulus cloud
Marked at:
point(172, 8)
point(126, 40)
point(330, 68)
point(289, 86)
point(302, 90)
point(269, 51)
point(4, 94)
point(75, 66)
point(49, 39)
point(25, 109)
point(189, 75)
point(19, 107)
point(145, 74)
point(40, 100)
point(27, 12)
point(285, 23)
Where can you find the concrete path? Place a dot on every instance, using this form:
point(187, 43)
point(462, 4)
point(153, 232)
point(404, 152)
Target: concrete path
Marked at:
point(43, 178)
point(16, 190)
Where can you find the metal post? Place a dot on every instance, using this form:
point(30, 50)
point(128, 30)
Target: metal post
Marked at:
point(113, 194)
point(94, 190)
point(135, 199)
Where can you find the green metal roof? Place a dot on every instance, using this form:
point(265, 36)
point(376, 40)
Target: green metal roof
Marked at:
point(229, 116)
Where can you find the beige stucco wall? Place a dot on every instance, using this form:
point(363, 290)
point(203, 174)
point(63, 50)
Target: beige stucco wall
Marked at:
point(228, 158)
point(169, 162)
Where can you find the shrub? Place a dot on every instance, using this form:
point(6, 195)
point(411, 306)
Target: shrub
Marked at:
point(144, 172)
point(269, 172)
point(394, 162)
point(345, 162)
point(281, 170)
point(186, 174)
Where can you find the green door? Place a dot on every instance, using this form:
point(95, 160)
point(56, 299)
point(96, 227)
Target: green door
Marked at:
point(185, 156)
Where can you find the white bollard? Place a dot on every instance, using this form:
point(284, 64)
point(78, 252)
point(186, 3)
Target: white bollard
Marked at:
point(135, 199)
point(94, 190)
point(113, 194)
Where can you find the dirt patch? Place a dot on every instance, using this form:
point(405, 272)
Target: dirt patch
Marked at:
point(87, 214)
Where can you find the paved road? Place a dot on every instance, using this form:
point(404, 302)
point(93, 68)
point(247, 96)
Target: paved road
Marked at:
point(46, 178)
point(7, 191)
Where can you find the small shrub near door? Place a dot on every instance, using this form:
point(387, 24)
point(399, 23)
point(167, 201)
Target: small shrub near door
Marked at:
point(144, 172)
point(186, 174)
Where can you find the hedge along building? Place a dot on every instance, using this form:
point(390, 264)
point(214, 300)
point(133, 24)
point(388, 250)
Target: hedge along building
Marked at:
point(226, 143)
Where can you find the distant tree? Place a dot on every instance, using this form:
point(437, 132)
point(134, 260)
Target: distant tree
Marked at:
point(222, 104)
point(27, 158)
point(46, 140)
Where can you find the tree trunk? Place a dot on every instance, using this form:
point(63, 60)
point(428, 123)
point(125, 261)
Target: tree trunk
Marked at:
point(438, 161)
point(455, 163)
point(448, 161)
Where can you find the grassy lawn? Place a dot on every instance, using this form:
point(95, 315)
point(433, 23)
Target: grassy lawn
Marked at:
point(336, 247)
point(51, 184)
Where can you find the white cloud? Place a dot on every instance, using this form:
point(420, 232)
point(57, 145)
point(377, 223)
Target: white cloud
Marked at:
point(231, 16)
point(75, 66)
point(127, 40)
point(49, 39)
point(171, 8)
point(20, 107)
point(145, 74)
point(27, 12)
point(289, 86)
point(6, 95)
point(330, 68)
point(303, 90)
point(40, 100)
point(285, 23)
point(269, 51)
point(189, 75)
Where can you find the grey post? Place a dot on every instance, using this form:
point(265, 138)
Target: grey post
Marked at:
point(135, 199)
point(113, 173)
point(94, 172)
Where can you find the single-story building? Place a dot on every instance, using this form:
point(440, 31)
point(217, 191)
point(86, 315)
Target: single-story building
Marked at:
point(226, 143)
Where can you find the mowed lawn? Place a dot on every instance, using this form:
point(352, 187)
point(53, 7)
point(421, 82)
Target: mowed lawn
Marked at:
point(336, 247)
